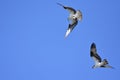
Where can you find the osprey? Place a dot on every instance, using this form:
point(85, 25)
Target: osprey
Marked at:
point(98, 61)
point(74, 16)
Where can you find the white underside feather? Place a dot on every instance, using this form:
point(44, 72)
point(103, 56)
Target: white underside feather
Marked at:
point(67, 33)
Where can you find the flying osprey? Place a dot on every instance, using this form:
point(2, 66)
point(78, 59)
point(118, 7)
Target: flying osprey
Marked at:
point(74, 17)
point(98, 61)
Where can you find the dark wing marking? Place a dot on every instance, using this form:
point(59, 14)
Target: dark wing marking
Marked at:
point(71, 27)
point(70, 9)
point(74, 23)
point(93, 53)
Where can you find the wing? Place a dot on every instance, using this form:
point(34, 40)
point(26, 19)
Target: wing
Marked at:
point(71, 27)
point(108, 66)
point(70, 9)
point(93, 53)
point(105, 64)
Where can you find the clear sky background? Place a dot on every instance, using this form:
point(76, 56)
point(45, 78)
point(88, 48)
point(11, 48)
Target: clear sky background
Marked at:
point(33, 47)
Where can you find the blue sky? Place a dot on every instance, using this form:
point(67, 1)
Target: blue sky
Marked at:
point(33, 47)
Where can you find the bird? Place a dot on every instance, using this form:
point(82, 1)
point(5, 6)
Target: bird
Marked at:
point(99, 63)
point(74, 16)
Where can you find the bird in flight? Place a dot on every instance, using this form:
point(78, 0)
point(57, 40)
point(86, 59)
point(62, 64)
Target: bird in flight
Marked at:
point(74, 16)
point(98, 61)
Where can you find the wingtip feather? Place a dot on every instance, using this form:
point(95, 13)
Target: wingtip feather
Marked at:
point(67, 33)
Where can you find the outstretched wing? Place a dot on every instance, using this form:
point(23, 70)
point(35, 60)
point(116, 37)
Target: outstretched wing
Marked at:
point(71, 27)
point(108, 66)
point(70, 9)
point(93, 53)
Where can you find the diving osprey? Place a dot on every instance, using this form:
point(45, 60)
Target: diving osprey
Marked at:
point(98, 61)
point(74, 17)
